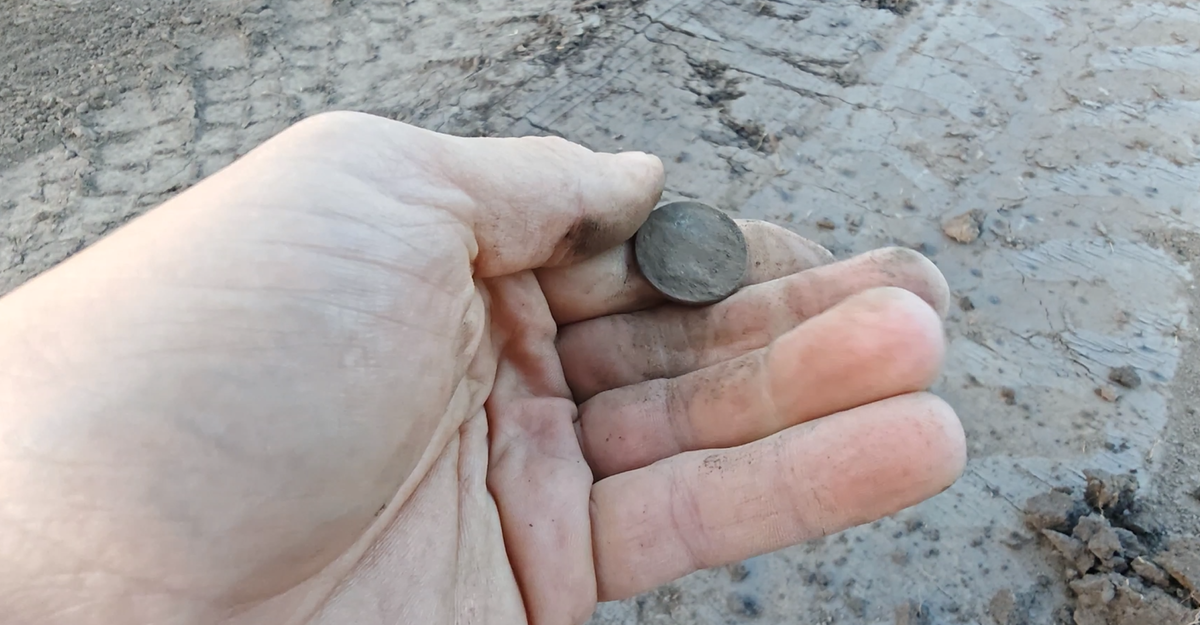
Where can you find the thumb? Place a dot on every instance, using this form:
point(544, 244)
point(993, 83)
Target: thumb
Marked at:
point(525, 202)
point(544, 201)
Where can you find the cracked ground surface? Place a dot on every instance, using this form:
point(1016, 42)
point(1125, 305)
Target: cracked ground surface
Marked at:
point(1074, 128)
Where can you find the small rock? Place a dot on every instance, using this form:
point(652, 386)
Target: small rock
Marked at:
point(1182, 561)
point(1125, 376)
point(1054, 510)
point(83, 107)
point(964, 228)
point(738, 571)
point(966, 304)
point(1150, 572)
point(826, 223)
point(1107, 393)
point(1073, 549)
point(188, 20)
point(1108, 493)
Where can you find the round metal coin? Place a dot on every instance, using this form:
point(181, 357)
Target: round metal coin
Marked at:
point(691, 252)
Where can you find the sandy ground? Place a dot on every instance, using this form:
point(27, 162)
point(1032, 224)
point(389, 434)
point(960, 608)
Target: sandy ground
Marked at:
point(1072, 129)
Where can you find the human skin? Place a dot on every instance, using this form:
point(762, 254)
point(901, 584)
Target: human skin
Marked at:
point(372, 374)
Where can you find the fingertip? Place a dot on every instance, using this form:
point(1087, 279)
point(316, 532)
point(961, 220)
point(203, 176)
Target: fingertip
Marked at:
point(936, 442)
point(915, 330)
point(947, 438)
point(876, 344)
point(648, 177)
point(929, 284)
point(616, 201)
point(646, 165)
point(776, 252)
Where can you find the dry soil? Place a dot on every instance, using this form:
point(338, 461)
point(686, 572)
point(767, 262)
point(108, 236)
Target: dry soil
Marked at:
point(1044, 153)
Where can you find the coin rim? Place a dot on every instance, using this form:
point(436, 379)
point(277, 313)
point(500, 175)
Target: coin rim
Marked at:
point(739, 236)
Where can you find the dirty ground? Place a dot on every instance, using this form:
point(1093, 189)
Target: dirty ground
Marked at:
point(1044, 153)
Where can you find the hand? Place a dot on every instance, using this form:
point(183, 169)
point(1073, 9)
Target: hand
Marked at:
point(373, 374)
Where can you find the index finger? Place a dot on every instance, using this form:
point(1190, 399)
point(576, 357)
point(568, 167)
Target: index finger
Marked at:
point(611, 283)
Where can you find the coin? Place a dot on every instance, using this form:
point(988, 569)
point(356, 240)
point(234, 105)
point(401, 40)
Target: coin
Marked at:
point(690, 252)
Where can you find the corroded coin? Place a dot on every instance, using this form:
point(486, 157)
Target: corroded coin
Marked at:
point(691, 252)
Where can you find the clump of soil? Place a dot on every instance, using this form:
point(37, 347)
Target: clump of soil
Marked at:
point(1120, 566)
point(965, 227)
point(899, 7)
point(1125, 376)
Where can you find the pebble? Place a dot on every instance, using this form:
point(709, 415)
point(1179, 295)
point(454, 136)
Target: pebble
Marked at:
point(1107, 393)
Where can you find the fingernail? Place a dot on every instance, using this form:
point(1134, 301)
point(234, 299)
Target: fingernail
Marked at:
point(641, 161)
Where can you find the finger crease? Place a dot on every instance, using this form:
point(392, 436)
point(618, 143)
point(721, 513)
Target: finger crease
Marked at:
point(683, 504)
point(676, 410)
point(767, 391)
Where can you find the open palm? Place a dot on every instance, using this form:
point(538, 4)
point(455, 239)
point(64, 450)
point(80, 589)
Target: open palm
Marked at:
point(374, 374)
